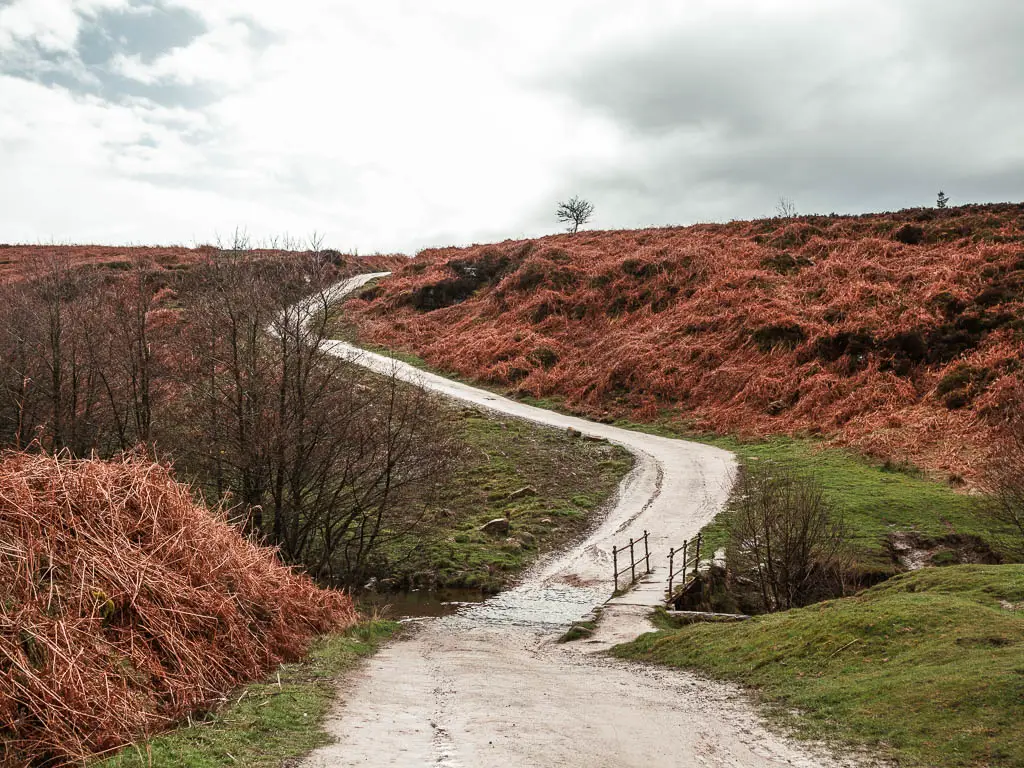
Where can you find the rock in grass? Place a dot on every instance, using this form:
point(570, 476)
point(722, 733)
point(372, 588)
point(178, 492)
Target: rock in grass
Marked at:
point(496, 527)
point(528, 490)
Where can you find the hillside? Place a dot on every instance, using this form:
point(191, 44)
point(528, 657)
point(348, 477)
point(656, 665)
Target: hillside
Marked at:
point(939, 646)
point(899, 334)
point(19, 261)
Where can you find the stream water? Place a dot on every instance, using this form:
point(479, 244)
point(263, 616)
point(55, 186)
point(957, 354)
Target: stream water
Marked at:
point(545, 608)
point(418, 604)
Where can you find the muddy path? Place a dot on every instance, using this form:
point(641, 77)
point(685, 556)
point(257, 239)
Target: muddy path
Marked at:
point(489, 686)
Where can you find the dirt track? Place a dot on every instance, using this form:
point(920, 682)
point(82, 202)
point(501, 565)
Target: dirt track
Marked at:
point(490, 687)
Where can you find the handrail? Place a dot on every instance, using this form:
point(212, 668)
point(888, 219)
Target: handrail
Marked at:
point(633, 561)
point(693, 547)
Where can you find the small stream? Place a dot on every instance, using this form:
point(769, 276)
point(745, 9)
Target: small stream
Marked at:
point(418, 604)
point(542, 607)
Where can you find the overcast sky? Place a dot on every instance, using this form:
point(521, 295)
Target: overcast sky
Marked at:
point(392, 125)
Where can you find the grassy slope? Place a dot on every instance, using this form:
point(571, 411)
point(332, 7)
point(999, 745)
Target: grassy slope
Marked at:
point(927, 667)
point(875, 499)
point(267, 722)
point(572, 478)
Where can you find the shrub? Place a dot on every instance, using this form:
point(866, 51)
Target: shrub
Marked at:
point(784, 537)
point(911, 234)
point(1005, 476)
point(962, 384)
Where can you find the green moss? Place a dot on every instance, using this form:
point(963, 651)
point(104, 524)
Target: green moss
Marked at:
point(265, 723)
point(926, 668)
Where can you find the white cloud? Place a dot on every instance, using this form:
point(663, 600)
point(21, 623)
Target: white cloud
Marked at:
point(51, 24)
point(222, 56)
point(399, 123)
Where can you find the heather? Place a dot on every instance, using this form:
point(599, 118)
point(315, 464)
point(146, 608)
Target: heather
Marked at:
point(898, 334)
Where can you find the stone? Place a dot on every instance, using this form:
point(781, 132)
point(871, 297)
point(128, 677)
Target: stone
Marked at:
point(528, 490)
point(572, 433)
point(496, 527)
point(528, 540)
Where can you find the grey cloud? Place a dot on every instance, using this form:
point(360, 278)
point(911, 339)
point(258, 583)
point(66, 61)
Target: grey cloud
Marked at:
point(725, 119)
point(146, 31)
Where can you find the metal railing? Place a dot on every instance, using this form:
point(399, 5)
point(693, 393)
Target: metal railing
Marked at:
point(680, 561)
point(634, 561)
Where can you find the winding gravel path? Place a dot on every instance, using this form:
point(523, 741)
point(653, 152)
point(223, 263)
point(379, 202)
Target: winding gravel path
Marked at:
point(490, 687)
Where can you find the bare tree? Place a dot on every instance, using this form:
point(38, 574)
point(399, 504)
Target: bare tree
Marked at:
point(785, 208)
point(784, 537)
point(232, 380)
point(58, 396)
point(576, 212)
point(322, 458)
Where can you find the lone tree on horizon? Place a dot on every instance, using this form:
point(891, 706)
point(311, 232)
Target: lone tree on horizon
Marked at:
point(575, 213)
point(942, 200)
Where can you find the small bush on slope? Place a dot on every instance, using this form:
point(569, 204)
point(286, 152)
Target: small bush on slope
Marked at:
point(927, 667)
point(686, 321)
point(125, 604)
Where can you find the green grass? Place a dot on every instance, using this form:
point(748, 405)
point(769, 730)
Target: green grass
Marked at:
point(927, 668)
point(578, 631)
point(583, 628)
point(875, 501)
point(264, 723)
point(572, 478)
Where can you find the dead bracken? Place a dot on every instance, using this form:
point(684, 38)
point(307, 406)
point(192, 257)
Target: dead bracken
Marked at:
point(126, 604)
point(821, 325)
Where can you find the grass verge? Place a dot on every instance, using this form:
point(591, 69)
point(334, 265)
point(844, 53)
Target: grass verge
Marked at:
point(926, 668)
point(265, 723)
point(876, 500)
point(582, 629)
point(543, 482)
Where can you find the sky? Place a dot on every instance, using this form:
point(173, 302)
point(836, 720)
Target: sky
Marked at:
point(396, 125)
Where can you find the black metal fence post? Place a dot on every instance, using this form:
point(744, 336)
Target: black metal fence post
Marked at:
point(671, 559)
point(615, 566)
point(632, 562)
point(647, 552)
